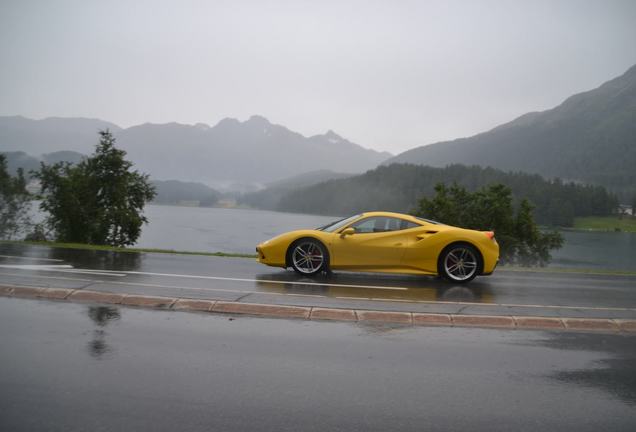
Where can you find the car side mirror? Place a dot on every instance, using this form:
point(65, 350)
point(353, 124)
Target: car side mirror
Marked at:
point(347, 231)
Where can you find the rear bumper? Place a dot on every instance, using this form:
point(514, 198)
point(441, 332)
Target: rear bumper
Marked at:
point(491, 271)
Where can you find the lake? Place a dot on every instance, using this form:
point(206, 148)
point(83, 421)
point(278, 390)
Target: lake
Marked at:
point(240, 230)
point(218, 229)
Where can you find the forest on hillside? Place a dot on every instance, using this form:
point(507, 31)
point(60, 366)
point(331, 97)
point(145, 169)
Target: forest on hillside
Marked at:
point(399, 187)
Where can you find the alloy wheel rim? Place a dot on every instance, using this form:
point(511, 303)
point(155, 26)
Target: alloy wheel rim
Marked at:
point(460, 264)
point(307, 257)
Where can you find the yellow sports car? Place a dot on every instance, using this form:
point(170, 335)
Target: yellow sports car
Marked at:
point(388, 243)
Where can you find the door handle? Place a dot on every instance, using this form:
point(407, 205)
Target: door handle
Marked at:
point(425, 235)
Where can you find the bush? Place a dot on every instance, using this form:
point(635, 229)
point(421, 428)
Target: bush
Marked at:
point(97, 201)
point(15, 202)
point(490, 208)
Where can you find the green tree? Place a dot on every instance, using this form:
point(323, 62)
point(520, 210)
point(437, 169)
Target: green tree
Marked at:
point(99, 200)
point(15, 202)
point(490, 208)
point(532, 247)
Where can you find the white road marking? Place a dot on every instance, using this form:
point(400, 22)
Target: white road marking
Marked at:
point(181, 287)
point(113, 273)
point(265, 281)
point(395, 300)
point(31, 258)
point(64, 268)
point(49, 277)
point(243, 292)
point(94, 272)
point(51, 267)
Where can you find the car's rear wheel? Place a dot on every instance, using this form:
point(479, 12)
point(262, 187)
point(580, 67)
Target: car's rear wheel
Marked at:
point(309, 257)
point(459, 263)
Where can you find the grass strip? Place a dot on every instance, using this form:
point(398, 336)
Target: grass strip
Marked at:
point(107, 248)
point(607, 223)
point(588, 271)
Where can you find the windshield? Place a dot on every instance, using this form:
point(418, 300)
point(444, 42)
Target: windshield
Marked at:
point(333, 226)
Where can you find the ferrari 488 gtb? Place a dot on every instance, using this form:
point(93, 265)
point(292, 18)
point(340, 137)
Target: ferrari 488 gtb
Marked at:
point(388, 243)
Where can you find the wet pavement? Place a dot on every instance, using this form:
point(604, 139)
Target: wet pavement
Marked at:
point(236, 279)
point(73, 367)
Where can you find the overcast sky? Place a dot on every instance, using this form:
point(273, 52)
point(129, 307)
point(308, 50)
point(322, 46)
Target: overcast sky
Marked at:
point(388, 75)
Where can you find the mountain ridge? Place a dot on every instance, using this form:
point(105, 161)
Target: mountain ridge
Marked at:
point(589, 137)
point(254, 150)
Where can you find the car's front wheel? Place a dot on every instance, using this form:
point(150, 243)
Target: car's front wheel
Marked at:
point(459, 263)
point(308, 257)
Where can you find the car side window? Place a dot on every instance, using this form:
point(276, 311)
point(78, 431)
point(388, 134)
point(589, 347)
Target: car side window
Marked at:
point(377, 224)
point(404, 224)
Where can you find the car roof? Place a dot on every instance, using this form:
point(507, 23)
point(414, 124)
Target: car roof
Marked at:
point(393, 214)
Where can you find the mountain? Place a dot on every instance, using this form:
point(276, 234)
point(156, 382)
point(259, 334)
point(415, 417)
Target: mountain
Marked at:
point(590, 137)
point(254, 150)
point(178, 192)
point(399, 187)
point(306, 179)
point(269, 198)
point(20, 159)
point(52, 134)
point(62, 156)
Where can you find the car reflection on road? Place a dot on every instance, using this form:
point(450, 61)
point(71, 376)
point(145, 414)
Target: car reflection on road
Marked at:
point(365, 286)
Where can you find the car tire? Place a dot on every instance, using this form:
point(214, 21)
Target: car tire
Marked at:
point(308, 257)
point(459, 263)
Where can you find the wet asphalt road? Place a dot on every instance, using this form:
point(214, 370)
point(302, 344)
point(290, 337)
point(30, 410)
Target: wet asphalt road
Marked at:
point(73, 367)
point(238, 279)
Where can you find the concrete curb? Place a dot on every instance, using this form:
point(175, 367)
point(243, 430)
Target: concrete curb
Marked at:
point(322, 313)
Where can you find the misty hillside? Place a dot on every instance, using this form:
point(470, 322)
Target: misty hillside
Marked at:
point(20, 159)
point(178, 192)
point(168, 192)
point(269, 198)
point(62, 156)
point(398, 187)
point(53, 134)
point(590, 137)
point(306, 179)
point(251, 151)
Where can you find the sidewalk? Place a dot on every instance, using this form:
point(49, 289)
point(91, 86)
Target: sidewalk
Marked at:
point(536, 322)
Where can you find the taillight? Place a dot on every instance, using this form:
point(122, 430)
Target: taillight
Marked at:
point(490, 234)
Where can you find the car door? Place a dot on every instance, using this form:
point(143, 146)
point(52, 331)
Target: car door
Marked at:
point(378, 242)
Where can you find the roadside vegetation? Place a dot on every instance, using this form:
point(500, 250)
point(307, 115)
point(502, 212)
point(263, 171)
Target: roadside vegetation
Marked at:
point(99, 200)
point(15, 203)
point(491, 208)
point(107, 248)
point(609, 223)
